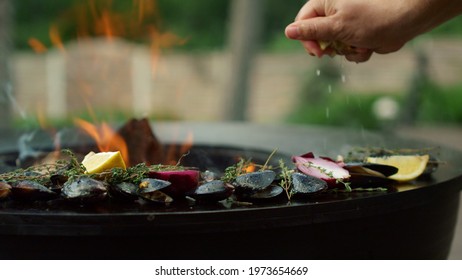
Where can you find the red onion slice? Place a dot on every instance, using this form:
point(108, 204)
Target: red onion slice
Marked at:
point(321, 167)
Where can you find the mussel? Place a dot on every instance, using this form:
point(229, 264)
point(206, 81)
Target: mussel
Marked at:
point(84, 189)
point(212, 191)
point(256, 180)
point(157, 197)
point(148, 185)
point(30, 190)
point(5, 190)
point(124, 191)
point(150, 190)
point(270, 192)
point(370, 175)
point(303, 184)
point(373, 169)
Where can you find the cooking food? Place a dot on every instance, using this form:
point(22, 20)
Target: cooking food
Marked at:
point(409, 166)
point(102, 176)
point(99, 162)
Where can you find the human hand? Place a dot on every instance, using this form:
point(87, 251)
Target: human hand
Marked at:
point(358, 28)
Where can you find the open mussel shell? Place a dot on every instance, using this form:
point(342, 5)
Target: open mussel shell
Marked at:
point(303, 184)
point(124, 191)
point(58, 181)
point(148, 185)
point(256, 180)
point(373, 169)
point(5, 190)
point(157, 197)
point(150, 190)
point(212, 191)
point(84, 189)
point(270, 192)
point(30, 190)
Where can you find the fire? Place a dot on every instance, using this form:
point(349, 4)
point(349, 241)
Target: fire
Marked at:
point(174, 153)
point(36, 45)
point(105, 19)
point(249, 168)
point(55, 38)
point(105, 137)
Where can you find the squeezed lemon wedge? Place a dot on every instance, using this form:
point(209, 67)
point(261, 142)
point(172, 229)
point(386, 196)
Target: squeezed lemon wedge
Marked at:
point(409, 166)
point(323, 45)
point(99, 162)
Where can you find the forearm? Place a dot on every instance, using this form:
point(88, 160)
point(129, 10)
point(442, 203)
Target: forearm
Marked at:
point(432, 13)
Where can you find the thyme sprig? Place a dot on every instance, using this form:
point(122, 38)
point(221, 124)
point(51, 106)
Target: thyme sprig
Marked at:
point(243, 166)
point(72, 168)
point(330, 174)
point(286, 179)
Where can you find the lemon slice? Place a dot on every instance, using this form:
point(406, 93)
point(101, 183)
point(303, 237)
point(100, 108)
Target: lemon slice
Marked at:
point(409, 166)
point(323, 45)
point(99, 162)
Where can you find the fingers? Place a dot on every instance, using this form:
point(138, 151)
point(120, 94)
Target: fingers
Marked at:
point(312, 47)
point(312, 25)
point(318, 28)
point(359, 56)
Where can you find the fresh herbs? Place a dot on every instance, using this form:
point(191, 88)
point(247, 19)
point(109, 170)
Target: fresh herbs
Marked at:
point(286, 179)
point(71, 168)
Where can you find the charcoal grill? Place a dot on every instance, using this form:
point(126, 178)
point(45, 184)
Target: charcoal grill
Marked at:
point(415, 222)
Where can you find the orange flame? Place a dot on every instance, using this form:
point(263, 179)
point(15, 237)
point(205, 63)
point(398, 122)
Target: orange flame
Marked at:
point(105, 137)
point(249, 168)
point(55, 38)
point(36, 45)
point(174, 153)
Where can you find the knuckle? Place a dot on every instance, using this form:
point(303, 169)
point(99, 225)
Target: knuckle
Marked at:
point(309, 31)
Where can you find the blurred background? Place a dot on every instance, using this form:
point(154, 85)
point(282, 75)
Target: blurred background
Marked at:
point(208, 60)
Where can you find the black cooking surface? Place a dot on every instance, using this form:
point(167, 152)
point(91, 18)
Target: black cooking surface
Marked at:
point(412, 221)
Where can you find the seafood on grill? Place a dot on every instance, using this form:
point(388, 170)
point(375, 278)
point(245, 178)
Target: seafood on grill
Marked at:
point(305, 178)
point(84, 189)
point(5, 190)
point(212, 191)
point(30, 190)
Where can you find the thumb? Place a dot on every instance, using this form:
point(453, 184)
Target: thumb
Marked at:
point(318, 28)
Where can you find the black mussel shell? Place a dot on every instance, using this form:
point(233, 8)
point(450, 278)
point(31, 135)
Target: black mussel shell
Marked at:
point(148, 185)
point(270, 192)
point(84, 189)
point(432, 166)
point(58, 181)
point(157, 197)
point(303, 184)
point(371, 168)
point(369, 181)
point(5, 190)
point(30, 190)
point(124, 190)
point(256, 180)
point(212, 191)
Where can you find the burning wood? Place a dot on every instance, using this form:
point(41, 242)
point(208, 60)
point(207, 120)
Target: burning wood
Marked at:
point(142, 144)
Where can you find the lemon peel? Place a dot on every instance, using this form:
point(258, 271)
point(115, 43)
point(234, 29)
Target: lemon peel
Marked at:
point(409, 166)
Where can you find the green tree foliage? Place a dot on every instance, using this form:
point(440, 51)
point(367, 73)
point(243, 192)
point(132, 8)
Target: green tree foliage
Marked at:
point(203, 23)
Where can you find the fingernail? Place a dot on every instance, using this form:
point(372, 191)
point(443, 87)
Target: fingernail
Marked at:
point(292, 32)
